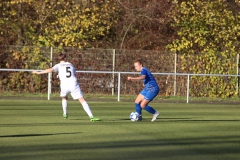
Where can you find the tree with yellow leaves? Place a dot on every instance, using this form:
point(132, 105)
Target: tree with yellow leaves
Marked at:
point(207, 39)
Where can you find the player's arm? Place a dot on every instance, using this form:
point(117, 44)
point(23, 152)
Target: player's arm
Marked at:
point(137, 78)
point(49, 70)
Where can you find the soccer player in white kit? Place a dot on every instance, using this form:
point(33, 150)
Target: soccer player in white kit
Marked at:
point(66, 73)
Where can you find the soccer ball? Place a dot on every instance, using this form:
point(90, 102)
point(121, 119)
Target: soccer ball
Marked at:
point(134, 116)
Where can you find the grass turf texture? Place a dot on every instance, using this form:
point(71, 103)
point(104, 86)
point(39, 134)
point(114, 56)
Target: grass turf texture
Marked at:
point(37, 130)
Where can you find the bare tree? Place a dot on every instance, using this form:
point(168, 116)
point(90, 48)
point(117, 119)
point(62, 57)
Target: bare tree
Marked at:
point(144, 25)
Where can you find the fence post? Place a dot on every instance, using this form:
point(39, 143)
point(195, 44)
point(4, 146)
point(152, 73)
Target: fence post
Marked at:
point(113, 69)
point(188, 80)
point(50, 75)
point(175, 71)
point(237, 73)
point(119, 87)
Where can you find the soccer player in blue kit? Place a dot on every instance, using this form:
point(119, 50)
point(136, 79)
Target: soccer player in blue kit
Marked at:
point(150, 91)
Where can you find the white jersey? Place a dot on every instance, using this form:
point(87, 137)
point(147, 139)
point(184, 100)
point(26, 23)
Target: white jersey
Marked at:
point(66, 72)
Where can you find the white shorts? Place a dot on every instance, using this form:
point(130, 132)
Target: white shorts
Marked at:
point(72, 88)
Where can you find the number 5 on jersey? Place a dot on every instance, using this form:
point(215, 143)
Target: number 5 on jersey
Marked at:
point(68, 70)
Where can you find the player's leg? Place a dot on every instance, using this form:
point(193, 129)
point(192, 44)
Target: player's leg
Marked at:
point(64, 94)
point(144, 104)
point(88, 110)
point(85, 107)
point(64, 106)
point(138, 101)
point(77, 94)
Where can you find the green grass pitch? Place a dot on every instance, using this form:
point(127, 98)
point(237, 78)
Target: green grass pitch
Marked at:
point(36, 130)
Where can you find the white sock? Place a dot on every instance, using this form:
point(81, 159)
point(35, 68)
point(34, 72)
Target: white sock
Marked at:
point(64, 106)
point(87, 109)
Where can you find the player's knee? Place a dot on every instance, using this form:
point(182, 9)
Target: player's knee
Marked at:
point(81, 100)
point(137, 101)
point(64, 98)
point(142, 105)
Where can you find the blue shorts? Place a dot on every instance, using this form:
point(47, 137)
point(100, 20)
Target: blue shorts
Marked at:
point(149, 95)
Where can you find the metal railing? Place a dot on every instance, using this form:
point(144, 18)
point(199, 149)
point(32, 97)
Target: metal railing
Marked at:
point(188, 75)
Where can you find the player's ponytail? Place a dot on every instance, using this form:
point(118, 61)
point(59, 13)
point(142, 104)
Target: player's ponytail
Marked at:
point(61, 56)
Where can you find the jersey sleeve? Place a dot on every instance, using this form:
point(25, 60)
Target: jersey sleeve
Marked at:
point(74, 70)
point(144, 72)
point(55, 68)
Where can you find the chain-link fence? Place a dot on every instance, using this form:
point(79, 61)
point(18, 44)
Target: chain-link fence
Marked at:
point(117, 61)
point(108, 60)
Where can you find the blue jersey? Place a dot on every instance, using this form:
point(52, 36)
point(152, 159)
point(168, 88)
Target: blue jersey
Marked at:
point(149, 80)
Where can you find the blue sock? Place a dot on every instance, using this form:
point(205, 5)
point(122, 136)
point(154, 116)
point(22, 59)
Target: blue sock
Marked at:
point(150, 109)
point(138, 108)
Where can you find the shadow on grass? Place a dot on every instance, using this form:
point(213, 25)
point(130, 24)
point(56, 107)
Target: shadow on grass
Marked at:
point(33, 135)
point(197, 120)
point(185, 120)
point(178, 148)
